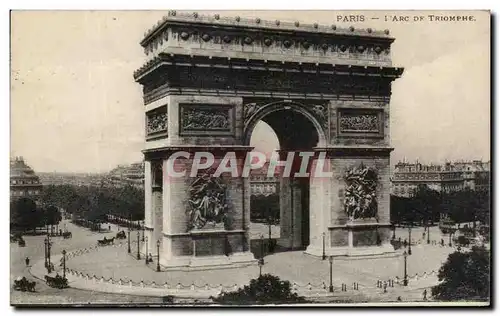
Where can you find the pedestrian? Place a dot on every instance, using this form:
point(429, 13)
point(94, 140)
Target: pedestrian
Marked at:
point(109, 227)
point(385, 286)
point(425, 295)
point(399, 299)
point(150, 259)
point(27, 260)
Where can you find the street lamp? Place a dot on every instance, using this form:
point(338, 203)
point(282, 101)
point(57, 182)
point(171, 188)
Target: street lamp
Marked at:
point(449, 242)
point(405, 278)
point(262, 247)
point(143, 230)
point(146, 253)
point(64, 263)
point(269, 246)
point(409, 240)
point(324, 253)
point(330, 289)
point(45, 242)
point(428, 233)
point(138, 244)
point(128, 233)
point(48, 250)
point(158, 253)
point(261, 263)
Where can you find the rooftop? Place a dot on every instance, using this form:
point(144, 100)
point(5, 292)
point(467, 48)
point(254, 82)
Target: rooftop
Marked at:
point(174, 17)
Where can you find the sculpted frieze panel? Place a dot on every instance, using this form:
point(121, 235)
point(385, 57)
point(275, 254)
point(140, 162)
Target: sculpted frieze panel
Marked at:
point(157, 122)
point(360, 122)
point(199, 118)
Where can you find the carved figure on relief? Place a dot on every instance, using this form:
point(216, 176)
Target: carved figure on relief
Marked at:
point(205, 119)
point(360, 198)
point(157, 123)
point(359, 123)
point(207, 201)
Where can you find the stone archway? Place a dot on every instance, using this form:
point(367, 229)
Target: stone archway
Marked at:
point(208, 80)
point(298, 129)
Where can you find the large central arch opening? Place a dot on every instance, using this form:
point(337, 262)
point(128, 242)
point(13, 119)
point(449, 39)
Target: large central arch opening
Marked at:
point(280, 205)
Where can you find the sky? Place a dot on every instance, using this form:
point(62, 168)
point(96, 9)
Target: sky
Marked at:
point(75, 106)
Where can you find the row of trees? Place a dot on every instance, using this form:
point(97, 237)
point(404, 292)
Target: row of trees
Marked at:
point(26, 215)
point(94, 203)
point(428, 205)
point(264, 207)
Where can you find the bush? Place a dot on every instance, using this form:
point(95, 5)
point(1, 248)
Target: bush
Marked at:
point(266, 289)
point(464, 276)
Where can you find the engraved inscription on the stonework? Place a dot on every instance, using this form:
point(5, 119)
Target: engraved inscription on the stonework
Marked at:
point(157, 122)
point(360, 198)
point(210, 118)
point(359, 122)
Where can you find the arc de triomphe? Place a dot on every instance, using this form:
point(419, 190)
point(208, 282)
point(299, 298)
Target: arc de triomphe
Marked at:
point(208, 80)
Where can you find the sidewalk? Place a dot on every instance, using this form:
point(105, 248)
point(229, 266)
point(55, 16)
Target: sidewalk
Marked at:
point(112, 270)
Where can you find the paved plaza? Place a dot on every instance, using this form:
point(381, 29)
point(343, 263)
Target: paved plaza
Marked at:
point(308, 275)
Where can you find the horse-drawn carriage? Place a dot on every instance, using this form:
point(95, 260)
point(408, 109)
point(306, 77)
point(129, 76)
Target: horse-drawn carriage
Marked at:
point(21, 242)
point(121, 235)
point(25, 285)
point(57, 282)
point(67, 235)
point(15, 237)
point(105, 241)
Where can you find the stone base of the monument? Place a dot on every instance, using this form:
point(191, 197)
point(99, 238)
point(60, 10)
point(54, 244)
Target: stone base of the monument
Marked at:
point(361, 238)
point(189, 263)
point(385, 250)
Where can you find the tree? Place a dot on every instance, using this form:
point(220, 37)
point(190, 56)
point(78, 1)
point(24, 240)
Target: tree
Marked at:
point(464, 276)
point(266, 289)
point(24, 214)
point(51, 216)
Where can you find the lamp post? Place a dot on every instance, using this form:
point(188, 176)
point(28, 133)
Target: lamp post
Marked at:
point(143, 230)
point(158, 253)
point(138, 245)
point(64, 263)
point(269, 246)
point(405, 278)
point(262, 247)
point(128, 235)
point(428, 233)
point(409, 240)
point(45, 242)
point(48, 250)
point(330, 289)
point(324, 253)
point(449, 242)
point(261, 263)
point(146, 253)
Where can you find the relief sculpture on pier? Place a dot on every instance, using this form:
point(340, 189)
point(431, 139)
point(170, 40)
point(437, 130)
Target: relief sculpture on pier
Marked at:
point(207, 201)
point(360, 195)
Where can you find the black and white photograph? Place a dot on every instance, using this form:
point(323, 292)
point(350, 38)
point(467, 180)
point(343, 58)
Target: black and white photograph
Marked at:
point(250, 158)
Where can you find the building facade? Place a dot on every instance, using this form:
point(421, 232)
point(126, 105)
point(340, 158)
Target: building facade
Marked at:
point(23, 180)
point(449, 177)
point(123, 175)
